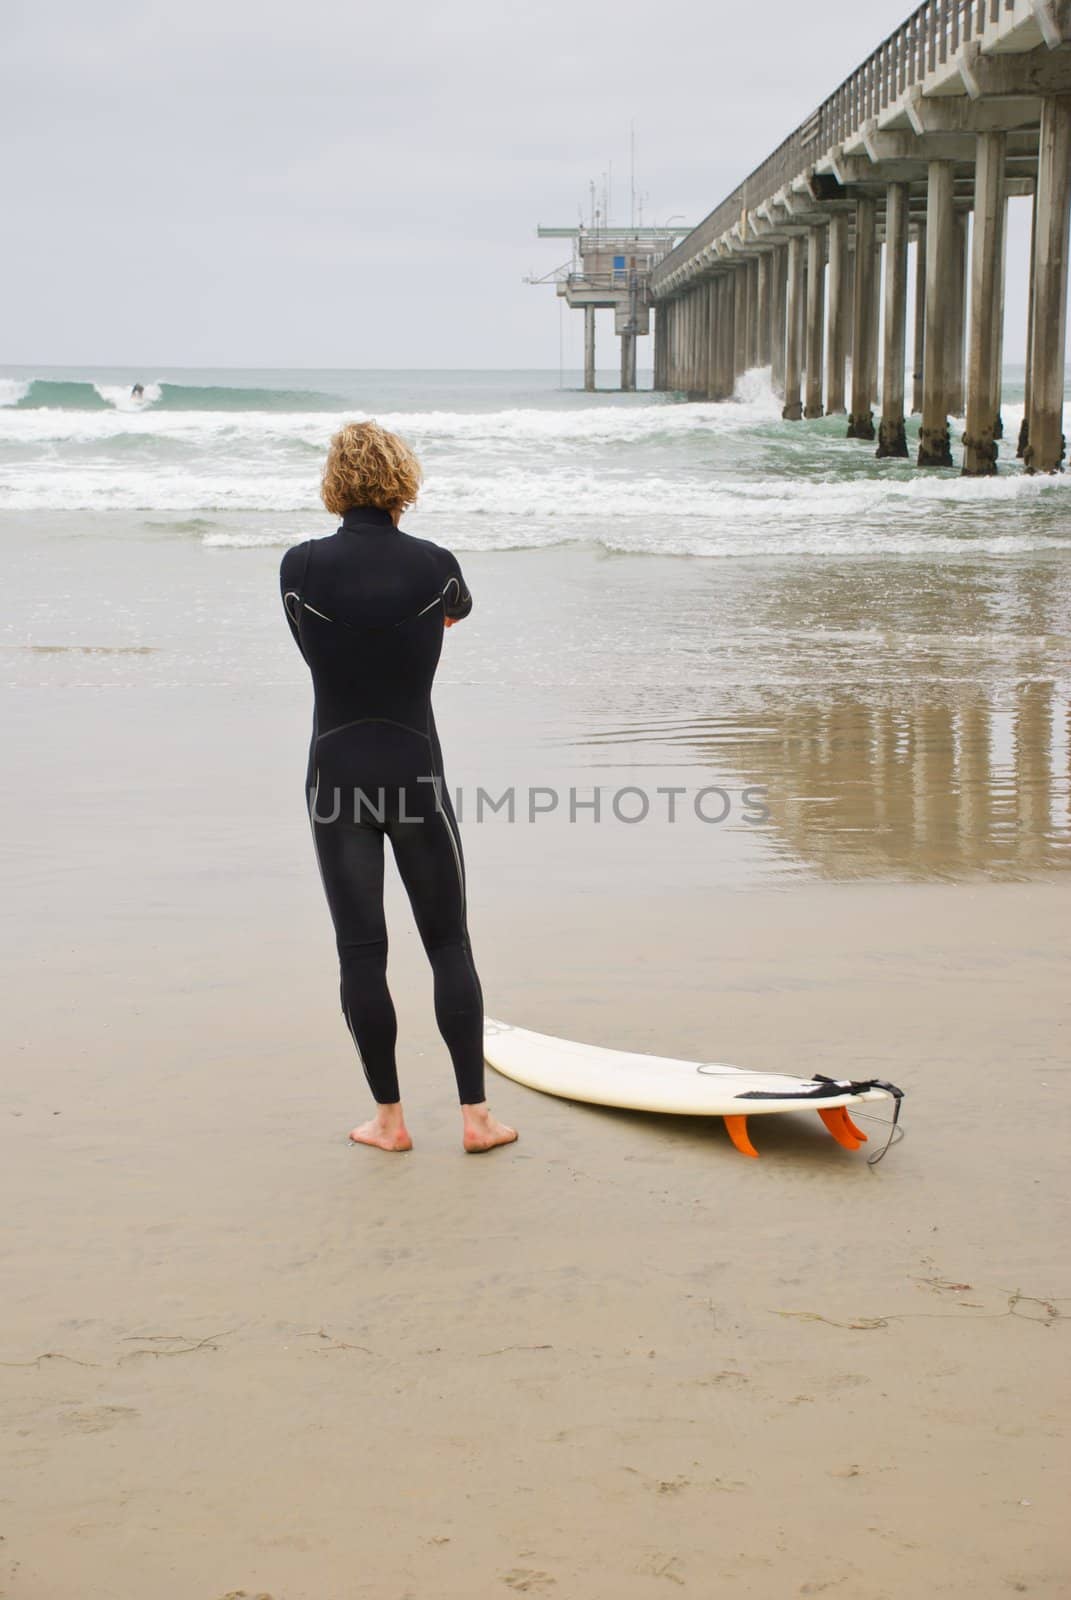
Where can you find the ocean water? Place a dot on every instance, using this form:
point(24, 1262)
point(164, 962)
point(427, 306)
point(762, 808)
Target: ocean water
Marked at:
point(512, 460)
point(664, 588)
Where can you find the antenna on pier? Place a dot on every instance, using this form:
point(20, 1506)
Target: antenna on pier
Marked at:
point(632, 174)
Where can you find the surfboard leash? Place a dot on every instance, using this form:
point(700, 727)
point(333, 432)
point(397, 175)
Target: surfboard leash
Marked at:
point(895, 1132)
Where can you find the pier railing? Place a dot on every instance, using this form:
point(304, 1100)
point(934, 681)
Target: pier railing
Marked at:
point(931, 35)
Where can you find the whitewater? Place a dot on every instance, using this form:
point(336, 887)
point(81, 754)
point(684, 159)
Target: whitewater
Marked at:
point(512, 460)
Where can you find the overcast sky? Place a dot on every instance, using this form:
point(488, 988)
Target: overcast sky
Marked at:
point(317, 183)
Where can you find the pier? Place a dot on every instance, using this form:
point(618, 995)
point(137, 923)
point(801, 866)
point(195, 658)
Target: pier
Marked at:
point(967, 104)
point(611, 270)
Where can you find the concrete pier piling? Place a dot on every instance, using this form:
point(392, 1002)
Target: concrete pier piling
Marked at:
point(727, 364)
point(999, 317)
point(707, 337)
point(751, 358)
point(919, 340)
point(628, 362)
point(961, 108)
point(815, 314)
point(656, 357)
point(891, 438)
point(763, 310)
point(739, 322)
point(589, 347)
point(1024, 427)
point(792, 410)
point(778, 293)
point(864, 321)
point(1045, 442)
point(837, 316)
point(958, 320)
point(941, 263)
point(702, 346)
point(983, 385)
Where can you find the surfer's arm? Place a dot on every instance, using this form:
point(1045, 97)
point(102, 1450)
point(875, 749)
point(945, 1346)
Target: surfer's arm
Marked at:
point(457, 601)
point(291, 577)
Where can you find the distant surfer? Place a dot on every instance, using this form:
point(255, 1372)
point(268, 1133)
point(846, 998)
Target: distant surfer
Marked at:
point(138, 392)
point(367, 607)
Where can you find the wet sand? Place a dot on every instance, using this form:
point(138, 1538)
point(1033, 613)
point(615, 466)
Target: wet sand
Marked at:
point(616, 1360)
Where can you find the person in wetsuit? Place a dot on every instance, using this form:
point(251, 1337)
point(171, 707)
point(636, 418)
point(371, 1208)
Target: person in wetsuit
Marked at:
point(367, 607)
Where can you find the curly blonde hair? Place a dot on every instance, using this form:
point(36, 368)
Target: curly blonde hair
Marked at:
point(367, 466)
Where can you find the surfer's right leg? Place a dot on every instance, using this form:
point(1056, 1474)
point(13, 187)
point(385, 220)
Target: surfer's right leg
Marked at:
point(351, 866)
point(427, 848)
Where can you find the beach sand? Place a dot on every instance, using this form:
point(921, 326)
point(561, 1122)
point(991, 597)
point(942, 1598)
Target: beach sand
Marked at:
point(616, 1360)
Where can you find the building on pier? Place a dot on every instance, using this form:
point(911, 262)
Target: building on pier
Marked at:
point(966, 104)
point(611, 269)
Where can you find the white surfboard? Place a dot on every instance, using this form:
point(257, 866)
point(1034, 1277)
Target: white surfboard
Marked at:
point(590, 1072)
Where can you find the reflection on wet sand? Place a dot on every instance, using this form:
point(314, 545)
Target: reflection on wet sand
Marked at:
point(910, 723)
point(942, 782)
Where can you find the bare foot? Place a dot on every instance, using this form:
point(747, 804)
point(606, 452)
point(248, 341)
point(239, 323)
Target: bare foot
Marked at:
point(387, 1130)
point(482, 1131)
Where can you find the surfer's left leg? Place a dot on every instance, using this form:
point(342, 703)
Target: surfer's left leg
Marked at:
point(351, 866)
point(386, 1130)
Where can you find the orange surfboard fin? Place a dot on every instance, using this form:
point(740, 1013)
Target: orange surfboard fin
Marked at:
point(737, 1129)
point(842, 1127)
point(856, 1133)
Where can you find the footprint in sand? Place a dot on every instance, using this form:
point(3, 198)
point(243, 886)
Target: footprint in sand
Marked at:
point(662, 1565)
point(95, 1419)
point(526, 1581)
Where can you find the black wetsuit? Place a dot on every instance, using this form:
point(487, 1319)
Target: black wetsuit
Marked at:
point(366, 606)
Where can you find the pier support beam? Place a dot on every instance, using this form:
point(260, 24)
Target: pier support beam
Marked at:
point(998, 420)
point(934, 448)
point(709, 288)
point(957, 334)
point(762, 311)
point(864, 322)
point(793, 410)
point(778, 280)
point(1024, 426)
point(1045, 445)
point(589, 347)
point(727, 330)
point(695, 344)
point(816, 297)
point(752, 313)
point(919, 331)
point(891, 440)
point(739, 323)
point(678, 343)
point(687, 314)
point(837, 325)
point(702, 350)
point(628, 362)
point(987, 279)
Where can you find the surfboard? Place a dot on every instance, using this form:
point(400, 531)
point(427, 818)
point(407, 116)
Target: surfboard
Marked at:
point(599, 1076)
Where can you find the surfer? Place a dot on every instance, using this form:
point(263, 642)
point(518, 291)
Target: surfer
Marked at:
point(367, 607)
point(137, 392)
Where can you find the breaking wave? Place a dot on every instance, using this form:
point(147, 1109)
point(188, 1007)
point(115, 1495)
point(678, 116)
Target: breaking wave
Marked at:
point(59, 394)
